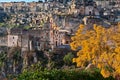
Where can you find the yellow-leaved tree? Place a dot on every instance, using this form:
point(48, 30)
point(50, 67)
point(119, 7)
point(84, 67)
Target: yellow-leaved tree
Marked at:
point(100, 47)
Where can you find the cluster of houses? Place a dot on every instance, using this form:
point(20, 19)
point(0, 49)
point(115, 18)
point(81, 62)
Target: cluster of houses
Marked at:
point(52, 22)
point(36, 13)
point(46, 38)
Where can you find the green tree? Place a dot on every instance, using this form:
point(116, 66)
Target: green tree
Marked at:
point(68, 58)
point(3, 57)
point(14, 57)
point(2, 24)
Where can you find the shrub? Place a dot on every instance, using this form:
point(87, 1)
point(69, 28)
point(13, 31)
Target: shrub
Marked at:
point(56, 74)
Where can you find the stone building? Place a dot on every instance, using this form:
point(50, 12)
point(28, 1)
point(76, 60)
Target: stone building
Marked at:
point(91, 10)
point(12, 41)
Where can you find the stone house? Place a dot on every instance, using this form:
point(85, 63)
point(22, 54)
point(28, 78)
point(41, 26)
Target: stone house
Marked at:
point(90, 10)
point(103, 3)
point(31, 39)
point(39, 7)
point(32, 6)
point(12, 40)
point(46, 6)
point(57, 36)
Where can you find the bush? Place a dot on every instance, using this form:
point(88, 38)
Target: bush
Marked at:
point(55, 74)
point(68, 58)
